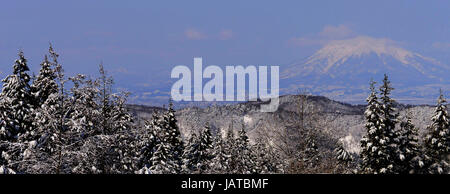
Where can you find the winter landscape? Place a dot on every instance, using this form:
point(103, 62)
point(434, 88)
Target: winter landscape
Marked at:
point(363, 97)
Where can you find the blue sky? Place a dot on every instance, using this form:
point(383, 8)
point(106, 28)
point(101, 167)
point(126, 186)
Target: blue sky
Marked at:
point(138, 41)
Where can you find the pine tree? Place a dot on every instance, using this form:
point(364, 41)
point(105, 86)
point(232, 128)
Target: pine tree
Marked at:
point(168, 147)
point(172, 136)
point(163, 160)
point(126, 142)
point(372, 145)
point(245, 159)
point(222, 156)
point(266, 160)
point(122, 120)
point(342, 155)
point(437, 144)
point(205, 150)
point(148, 143)
point(411, 157)
point(190, 155)
point(389, 120)
point(85, 114)
point(199, 152)
point(52, 124)
point(105, 83)
point(44, 84)
point(231, 147)
point(16, 102)
point(344, 159)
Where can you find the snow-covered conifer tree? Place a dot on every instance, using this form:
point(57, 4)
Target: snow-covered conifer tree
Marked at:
point(166, 146)
point(437, 143)
point(199, 152)
point(162, 160)
point(266, 160)
point(190, 154)
point(343, 157)
point(231, 147)
point(411, 156)
point(52, 124)
point(245, 159)
point(44, 84)
point(85, 115)
point(222, 156)
point(147, 143)
point(372, 150)
point(16, 102)
point(126, 144)
point(171, 135)
point(205, 150)
point(105, 83)
point(389, 120)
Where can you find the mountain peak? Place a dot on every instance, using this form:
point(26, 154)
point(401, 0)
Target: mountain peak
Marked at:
point(342, 69)
point(339, 51)
point(363, 53)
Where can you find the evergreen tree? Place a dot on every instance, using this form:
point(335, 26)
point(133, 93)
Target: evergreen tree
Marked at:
point(245, 159)
point(148, 143)
point(85, 115)
point(199, 152)
point(16, 102)
point(231, 146)
point(411, 158)
point(44, 84)
point(344, 159)
point(105, 83)
point(342, 155)
point(172, 136)
point(167, 149)
point(205, 150)
point(52, 124)
point(222, 156)
point(373, 147)
point(437, 144)
point(266, 160)
point(126, 143)
point(389, 120)
point(122, 120)
point(163, 160)
point(190, 153)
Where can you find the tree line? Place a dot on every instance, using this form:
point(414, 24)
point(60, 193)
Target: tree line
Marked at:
point(51, 123)
point(393, 144)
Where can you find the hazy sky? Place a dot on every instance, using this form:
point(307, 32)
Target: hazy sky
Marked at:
point(137, 39)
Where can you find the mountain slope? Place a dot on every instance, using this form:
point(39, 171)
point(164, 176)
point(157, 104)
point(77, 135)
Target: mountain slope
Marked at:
point(342, 70)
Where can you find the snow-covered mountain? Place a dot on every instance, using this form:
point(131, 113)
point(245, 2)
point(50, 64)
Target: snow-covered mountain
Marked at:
point(342, 70)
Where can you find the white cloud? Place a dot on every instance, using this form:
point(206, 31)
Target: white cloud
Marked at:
point(441, 45)
point(226, 34)
point(336, 32)
point(194, 34)
point(304, 41)
point(327, 34)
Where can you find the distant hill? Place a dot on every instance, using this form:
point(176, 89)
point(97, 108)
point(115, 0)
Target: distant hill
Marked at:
point(340, 121)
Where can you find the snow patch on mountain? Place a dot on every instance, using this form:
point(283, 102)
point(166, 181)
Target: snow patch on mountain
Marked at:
point(339, 52)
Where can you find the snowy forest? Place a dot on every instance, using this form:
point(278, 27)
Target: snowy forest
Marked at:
point(54, 124)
